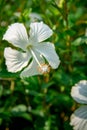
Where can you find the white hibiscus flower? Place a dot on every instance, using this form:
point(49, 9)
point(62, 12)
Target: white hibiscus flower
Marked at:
point(79, 117)
point(35, 52)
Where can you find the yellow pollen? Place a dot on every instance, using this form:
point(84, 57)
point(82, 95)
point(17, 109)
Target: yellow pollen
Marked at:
point(44, 68)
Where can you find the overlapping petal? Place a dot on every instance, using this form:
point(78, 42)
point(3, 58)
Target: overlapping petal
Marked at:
point(16, 34)
point(79, 92)
point(15, 60)
point(40, 31)
point(48, 51)
point(33, 68)
point(79, 119)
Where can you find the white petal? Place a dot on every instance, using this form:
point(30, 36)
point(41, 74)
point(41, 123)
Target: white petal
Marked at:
point(40, 31)
point(79, 119)
point(79, 92)
point(15, 60)
point(48, 51)
point(17, 35)
point(33, 68)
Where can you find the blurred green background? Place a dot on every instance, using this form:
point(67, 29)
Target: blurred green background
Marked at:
point(44, 102)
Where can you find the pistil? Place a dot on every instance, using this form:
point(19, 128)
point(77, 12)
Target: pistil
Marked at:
point(43, 68)
point(35, 57)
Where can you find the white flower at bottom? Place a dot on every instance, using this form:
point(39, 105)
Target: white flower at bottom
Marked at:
point(79, 117)
point(33, 51)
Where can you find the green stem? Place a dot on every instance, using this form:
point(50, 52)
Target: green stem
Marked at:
point(68, 43)
point(58, 8)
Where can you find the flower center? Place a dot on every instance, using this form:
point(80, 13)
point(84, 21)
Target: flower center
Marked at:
point(29, 47)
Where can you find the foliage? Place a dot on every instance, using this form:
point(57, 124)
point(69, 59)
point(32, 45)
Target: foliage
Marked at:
point(44, 102)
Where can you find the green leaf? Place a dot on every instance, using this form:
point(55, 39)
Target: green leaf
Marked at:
point(80, 41)
point(47, 85)
point(6, 74)
point(1, 90)
point(19, 108)
point(25, 116)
